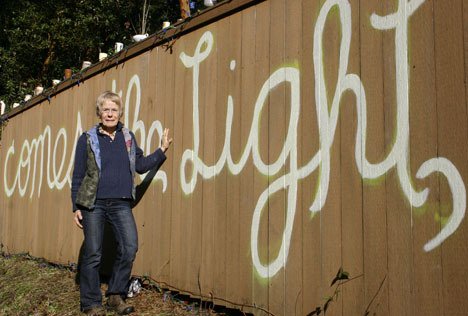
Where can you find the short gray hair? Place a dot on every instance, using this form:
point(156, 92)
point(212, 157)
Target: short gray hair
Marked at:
point(111, 96)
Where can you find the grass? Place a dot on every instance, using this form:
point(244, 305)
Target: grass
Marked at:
point(31, 286)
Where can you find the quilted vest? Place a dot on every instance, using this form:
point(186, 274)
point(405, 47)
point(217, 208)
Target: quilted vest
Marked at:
point(86, 195)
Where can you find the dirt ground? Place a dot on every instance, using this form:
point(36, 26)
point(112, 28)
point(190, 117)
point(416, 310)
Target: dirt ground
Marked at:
point(31, 286)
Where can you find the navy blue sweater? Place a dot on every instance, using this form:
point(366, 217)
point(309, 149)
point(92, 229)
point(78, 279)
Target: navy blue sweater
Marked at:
point(115, 179)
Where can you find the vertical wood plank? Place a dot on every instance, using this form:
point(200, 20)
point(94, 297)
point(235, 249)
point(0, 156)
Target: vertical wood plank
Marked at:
point(277, 109)
point(452, 140)
point(234, 265)
point(309, 143)
point(139, 67)
point(293, 274)
point(399, 234)
point(208, 109)
point(330, 213)
point(181, 215)
point(351, 181)
point(427, 294)
point(224, 52)
point(262, 69)
point(248, 196)
point(374, 191)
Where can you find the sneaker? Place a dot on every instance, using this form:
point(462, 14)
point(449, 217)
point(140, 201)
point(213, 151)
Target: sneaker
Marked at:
point(95, 311)
point(117, 304)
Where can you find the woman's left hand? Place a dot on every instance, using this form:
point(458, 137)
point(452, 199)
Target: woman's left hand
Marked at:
point(165, 140)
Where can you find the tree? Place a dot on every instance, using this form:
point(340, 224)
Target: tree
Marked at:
point(39, 39)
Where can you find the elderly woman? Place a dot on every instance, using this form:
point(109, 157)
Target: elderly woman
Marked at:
point(103, 188)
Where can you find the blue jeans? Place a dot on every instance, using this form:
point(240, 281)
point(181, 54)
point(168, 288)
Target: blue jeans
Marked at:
point(118, 214)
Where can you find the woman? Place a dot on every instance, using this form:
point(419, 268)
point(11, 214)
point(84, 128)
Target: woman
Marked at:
point(103, 187)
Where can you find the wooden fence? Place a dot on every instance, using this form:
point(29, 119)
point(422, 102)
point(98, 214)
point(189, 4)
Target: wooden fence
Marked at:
point(308, 136)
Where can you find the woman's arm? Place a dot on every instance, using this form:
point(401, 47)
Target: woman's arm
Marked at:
point(155, 160)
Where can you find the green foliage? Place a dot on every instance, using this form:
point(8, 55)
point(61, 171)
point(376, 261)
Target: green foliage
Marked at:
point(341, 276)
point(39, 39)
point(3, 124)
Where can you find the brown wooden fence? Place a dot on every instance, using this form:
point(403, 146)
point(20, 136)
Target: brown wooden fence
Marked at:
point(308, 136)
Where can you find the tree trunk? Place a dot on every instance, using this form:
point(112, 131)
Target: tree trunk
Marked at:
point(50, 56)
point(184, 8)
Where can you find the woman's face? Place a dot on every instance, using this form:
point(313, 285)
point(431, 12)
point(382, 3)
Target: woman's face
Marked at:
point(110, 114)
